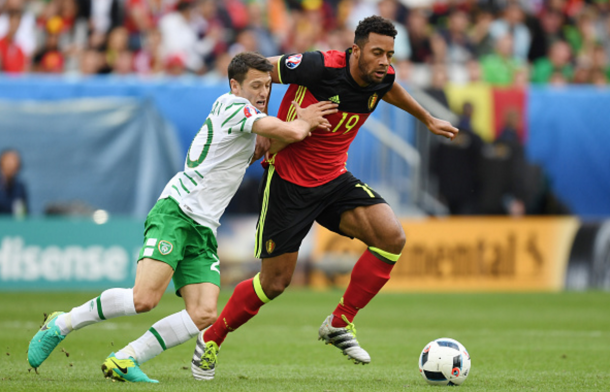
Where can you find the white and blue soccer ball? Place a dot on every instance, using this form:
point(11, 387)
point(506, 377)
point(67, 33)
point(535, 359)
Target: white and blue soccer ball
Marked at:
point(444, 361)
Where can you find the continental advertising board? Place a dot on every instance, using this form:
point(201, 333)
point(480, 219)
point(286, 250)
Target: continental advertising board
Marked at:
point(462, 254)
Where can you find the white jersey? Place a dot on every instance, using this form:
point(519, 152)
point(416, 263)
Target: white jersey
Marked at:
point(216, 161)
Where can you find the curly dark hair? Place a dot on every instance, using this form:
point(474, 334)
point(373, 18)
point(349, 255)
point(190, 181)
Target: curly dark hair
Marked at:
point(242, 62)
point(373, 24)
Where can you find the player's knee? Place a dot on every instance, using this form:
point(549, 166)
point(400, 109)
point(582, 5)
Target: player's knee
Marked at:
point(145, 301)
point(143, 305)
point(204, 317)
point(276, 287)
point(395, 241)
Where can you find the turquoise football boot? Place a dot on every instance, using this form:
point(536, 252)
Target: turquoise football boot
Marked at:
point(45, 341)
point(124, 370)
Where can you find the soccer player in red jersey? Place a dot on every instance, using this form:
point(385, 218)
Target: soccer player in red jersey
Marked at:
point(308, 181)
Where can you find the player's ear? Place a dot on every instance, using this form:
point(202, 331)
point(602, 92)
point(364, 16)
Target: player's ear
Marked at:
point(355, 50)
point(235, 87)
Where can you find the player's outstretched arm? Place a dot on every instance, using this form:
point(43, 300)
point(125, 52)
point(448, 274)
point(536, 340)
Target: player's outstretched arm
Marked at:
point(289, 132)
point(400, 98)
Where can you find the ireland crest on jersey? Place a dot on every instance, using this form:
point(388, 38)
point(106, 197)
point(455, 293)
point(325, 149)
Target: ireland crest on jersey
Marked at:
point(165, 247)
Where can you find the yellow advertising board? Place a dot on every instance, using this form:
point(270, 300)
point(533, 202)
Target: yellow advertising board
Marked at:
point(462, 254)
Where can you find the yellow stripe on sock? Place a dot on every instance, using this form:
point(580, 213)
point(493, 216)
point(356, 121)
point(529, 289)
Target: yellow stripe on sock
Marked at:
point(258, 288)
point(391, 257)
point(258, 247)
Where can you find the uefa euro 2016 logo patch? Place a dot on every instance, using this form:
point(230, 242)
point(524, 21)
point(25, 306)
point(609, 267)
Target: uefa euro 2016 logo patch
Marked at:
point(250, 111)
point(165, 247)
point(294, 61)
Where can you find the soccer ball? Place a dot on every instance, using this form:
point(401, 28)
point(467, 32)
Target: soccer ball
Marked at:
point(444, 361)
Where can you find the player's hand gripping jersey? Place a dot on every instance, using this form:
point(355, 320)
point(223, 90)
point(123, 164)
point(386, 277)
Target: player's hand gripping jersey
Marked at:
point(216, 161)
point(324, 76)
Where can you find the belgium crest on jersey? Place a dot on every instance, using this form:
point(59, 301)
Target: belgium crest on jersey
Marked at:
point(270, 245)
point(372, 101)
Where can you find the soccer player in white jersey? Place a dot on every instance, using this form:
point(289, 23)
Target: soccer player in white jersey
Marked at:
point(180, 230)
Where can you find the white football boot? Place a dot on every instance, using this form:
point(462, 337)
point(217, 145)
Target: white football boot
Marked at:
point(205, 358)
point(344, 339)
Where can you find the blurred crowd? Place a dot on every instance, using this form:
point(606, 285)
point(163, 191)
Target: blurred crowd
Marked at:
point(502, 42)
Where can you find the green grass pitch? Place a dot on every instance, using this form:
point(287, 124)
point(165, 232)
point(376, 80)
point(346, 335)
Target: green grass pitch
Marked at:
point(520, 342)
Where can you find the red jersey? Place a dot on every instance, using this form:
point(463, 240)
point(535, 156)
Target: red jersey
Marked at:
point(12, 57)
point(315, 77)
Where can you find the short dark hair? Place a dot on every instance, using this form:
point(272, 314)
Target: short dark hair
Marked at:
point(244, 61)
point(373, 24)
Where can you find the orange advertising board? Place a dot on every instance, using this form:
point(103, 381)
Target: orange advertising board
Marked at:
point(462, 254)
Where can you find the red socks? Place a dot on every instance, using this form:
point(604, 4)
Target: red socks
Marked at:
point(368, 277)
point(242, 306)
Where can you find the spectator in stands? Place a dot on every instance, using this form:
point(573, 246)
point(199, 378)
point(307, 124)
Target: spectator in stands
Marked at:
point(180, 40)
point(481, 38)
point(214, 33)
point(419, 31)
point(582, 37)
point(600, 61)
point(13, 195)
point(91, 62)
point(456, 165)
point(599, 78)
point(267, 45)
point(558, 79)
point(339, 39)
point(439, 49)
point(102, 16)
point(219, 73)
point(558, 60)
point(49, 59)
point(402, 49)
point(604, 31)
point(123, 63)
point(12, 56)
point(460, 48)
point(237, 13)
point(512, 22)
point(458, 33)
point(245, 41)
point(149, 59)
point(502, 172)
point(439, 82)
point(547, 30)
point(582, 72)
point(142, 16)
point(499, 68)
point(474, 71)
point(25, 36)
point(118, 44)
point(175, 65)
